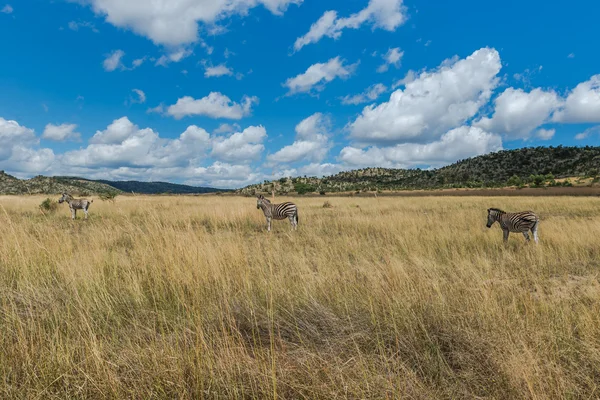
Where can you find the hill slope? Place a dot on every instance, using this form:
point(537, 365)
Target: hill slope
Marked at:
point(79, 186)
point(51, 185)
point(159, 187)
point(504, 168)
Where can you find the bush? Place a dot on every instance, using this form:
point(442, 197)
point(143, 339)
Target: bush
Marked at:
point(322, 193)
point(49, 206)
point(109, 196)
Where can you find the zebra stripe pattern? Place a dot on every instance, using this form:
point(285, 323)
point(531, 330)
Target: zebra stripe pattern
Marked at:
point(523, 222)
point(76, 204)
point(278, 211)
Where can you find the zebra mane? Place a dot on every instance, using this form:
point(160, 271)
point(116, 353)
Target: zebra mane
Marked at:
point(497, 210)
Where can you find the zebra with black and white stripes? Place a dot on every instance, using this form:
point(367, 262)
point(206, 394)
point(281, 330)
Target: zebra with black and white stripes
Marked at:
point(278, 211)
point(76, 204)
point(523, 222)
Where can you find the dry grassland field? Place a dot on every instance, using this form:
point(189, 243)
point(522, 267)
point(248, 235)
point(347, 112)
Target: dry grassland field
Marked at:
point(373, 298)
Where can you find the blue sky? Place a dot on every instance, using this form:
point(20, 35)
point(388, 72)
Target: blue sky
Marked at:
point(231, 92)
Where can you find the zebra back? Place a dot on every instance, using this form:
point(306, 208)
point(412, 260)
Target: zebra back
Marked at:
point(515, 222)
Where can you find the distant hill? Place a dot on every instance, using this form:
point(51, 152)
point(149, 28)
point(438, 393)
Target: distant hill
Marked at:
point(536, 166)
point(158, 187)
point(80, 186)
point(51, 185)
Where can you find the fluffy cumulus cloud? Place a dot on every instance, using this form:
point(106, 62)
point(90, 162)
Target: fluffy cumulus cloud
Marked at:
point(582, 105)
point(61, 133)
point(370, 94)
point(380, 14)
point(240, 147)
point(518, 113)
point(18, 152)
point(216, 71)
point(392, 57)
point(215, 105)
point(431, 103)
point(175, 23)
point(458, 143)
point(311, 144)
point(318, 75)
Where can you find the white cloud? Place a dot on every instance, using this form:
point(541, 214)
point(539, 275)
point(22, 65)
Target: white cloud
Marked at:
point(61, 132)
point(383, 14)
point(241, 147)
point(12, 134)
point(219, 70)
point(224, 175)
point(458, 143)
point(176, 23)
point(588, 132)
point(141, 96)
point(582, 104)
point(113, 61)
point(138, 62)
point(16, 152)
point(571, 55)
point(159, 109)
point(392, 57)
point(545, 134)
point(227, 128)
point(7, 9)
point(215, 105)
point(124, 144)
point(317, 75)
point(75, 26)
point(370, 94)
point(311, 144)
point(175, 56)
point(517, 113)
point(433, 102)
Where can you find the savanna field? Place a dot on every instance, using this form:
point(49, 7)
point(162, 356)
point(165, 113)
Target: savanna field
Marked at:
point(190, 298)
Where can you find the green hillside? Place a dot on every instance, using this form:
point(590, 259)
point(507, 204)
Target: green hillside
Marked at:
point(79, 186)
point(536, 166)
point(51, 185)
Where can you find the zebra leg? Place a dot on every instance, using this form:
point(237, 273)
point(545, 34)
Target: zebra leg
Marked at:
point(73, 213)
point(85, 211)
point(535, 235)
point(505, 233)
point(268, 224)
point(292, 222)
point(526, 236)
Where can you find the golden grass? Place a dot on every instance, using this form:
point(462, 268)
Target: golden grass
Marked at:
point(189, 297)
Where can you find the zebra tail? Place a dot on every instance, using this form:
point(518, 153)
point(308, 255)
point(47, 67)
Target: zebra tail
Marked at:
point(296, 216)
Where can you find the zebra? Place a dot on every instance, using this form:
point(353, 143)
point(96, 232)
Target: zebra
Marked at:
point(278, 211)
point(76, 204)
point(514, 222)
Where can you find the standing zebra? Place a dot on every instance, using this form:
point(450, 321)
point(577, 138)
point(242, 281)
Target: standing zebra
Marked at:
point(278, 211)
point(514, 222)
point(76, 204)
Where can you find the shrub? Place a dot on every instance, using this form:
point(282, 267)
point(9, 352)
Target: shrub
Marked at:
point(49, 206)
point(109, 196)
point(322, 193)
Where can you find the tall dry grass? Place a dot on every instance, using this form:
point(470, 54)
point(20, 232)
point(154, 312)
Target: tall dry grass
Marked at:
point(189, 297)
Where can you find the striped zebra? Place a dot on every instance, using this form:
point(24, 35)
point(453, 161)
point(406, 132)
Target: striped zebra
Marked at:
point(76, 204)
point(514, 222)
point(278, 211)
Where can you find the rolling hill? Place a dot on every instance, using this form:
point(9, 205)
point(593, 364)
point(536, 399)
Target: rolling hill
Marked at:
point(80, 186)
point(534, 166)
